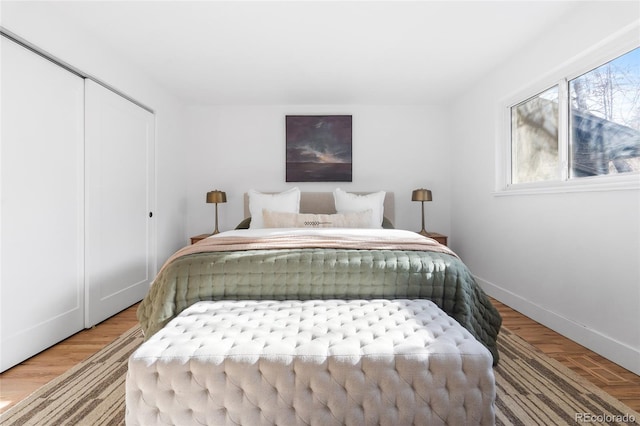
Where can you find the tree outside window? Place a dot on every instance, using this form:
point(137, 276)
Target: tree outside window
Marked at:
point(605, 118)
point(603, 114)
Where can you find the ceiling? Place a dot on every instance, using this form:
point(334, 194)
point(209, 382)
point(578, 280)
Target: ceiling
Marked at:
point(313, 52)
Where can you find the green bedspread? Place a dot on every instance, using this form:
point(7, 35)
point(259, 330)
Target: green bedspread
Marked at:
point(309, 273)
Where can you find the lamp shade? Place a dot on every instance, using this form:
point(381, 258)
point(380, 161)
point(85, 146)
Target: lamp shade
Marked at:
point(421, 195)
point(216, 197)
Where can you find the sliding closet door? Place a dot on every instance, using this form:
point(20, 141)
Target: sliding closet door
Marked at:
point(119, 198)
point(42, 215)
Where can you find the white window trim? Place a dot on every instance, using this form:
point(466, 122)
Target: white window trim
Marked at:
point(619, 43)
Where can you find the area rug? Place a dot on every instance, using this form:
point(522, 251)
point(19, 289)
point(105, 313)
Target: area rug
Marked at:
point(531, 388)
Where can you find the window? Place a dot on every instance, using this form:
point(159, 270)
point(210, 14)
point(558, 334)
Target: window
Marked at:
point(582, 126)
point(604, 131)
point(534, 138)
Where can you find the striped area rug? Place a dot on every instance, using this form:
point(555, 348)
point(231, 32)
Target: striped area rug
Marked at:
point(531, 389)
point(534, 389)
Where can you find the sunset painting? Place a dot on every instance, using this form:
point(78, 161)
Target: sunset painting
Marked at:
point(318, 148)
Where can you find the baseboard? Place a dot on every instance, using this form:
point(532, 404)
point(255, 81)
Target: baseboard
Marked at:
point(601, 344)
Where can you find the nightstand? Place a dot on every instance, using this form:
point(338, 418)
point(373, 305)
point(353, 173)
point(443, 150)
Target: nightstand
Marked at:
point(199, 237)
point(442, 239)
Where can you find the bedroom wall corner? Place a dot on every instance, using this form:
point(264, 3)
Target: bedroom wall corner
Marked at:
point(568, 260)
point(40, 24)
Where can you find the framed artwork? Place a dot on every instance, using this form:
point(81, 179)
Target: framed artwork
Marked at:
point(318, 148)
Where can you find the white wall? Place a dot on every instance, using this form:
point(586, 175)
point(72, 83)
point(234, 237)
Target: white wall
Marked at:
point(41, 25)
point(569, 260)
point(395, 148)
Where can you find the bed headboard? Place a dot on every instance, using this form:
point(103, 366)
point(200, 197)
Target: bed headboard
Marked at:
point(322, 203)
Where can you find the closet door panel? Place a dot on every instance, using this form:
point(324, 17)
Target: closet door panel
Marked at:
point(119, 195)
point(42, 194)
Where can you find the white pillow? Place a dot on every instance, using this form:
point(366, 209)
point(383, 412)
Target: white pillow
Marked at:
point(308, 220)
point(287, 201)
point(347, 202)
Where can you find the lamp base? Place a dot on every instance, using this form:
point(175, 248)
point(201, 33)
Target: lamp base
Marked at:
point(423, 232)
point(215, 231)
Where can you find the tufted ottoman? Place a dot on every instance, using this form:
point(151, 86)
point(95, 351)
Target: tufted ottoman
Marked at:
point(319, 362)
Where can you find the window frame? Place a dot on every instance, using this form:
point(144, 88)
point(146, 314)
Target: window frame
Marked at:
point(618, 44)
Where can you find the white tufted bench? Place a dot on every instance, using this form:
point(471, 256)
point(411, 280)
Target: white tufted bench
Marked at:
point(320, 362)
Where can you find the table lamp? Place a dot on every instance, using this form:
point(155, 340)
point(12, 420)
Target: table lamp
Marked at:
point(422, 195)
point(216, 197)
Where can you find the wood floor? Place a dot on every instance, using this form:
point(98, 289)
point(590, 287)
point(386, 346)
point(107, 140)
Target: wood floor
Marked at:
point(21, 380)
point(608, 376)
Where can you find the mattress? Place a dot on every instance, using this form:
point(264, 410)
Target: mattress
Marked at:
point(315, 362)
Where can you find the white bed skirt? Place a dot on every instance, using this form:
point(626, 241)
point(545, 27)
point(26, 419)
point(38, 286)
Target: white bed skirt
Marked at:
point(319, 362)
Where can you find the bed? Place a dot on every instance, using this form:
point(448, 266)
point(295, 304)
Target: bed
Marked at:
point(202, 272)
point(317, 262)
